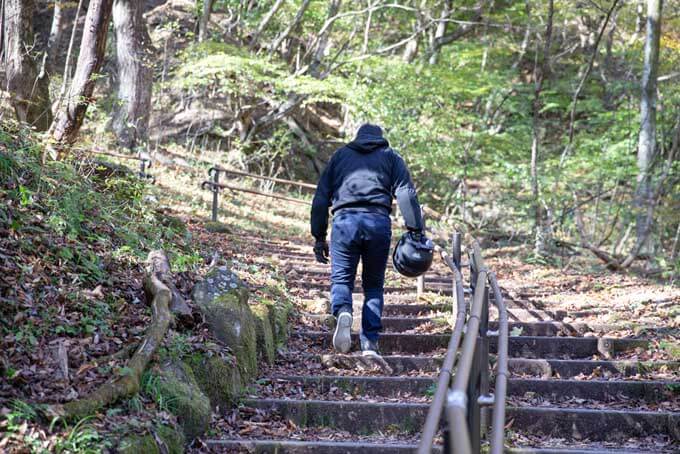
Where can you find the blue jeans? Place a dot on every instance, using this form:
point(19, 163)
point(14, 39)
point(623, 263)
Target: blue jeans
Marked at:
point(365, 236)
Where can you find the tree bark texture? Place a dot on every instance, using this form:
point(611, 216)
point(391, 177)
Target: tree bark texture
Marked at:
point(647, 141)
point(27, 86)
point(205, 20)
point(135, 73)
point(70, 116)
point(54, 40)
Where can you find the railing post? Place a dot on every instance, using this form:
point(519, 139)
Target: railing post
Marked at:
point(215, 191)
point(456, 249)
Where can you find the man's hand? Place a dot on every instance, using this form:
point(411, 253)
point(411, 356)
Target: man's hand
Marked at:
point(321, 251)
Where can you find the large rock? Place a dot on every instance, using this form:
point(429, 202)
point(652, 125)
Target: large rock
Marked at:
point(179, 389)
point(263, 328)
point(164, 440)
point(223, 299)
point(218, 378)
point(278, 318)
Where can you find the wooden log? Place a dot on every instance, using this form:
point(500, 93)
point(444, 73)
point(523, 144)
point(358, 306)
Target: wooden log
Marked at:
point(159, 265)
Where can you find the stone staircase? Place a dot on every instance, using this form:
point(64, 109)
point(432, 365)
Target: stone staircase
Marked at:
point(569, 391)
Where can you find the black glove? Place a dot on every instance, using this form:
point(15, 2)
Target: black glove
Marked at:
point(321, 251)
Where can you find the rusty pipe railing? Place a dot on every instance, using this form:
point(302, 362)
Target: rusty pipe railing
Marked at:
point(457, 399)
point(468, 396)
point(240, 173)
point(498, 424)
point(435, 412)
point(214, 185)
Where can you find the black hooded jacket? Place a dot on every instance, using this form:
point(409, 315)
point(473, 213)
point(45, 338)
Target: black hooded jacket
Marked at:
point(365, 175)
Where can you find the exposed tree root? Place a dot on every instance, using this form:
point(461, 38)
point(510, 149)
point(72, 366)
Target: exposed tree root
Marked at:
point(126, 383)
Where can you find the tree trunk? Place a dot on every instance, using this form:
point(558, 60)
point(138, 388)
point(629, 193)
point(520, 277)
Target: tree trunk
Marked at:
point(411, 48)
point(322, 42)
point(291, 27)
point(367, 27)
point(643, 203)
point(205, 20)
point(441, 31)
point(28, 88)
point(54, 39)
point(541, 230)
point(70, 117)
point(135, 73)
point(264, 22)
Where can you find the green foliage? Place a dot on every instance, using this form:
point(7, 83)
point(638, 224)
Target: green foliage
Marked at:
point(82, 438)
point(226, 69)
point(152, 387)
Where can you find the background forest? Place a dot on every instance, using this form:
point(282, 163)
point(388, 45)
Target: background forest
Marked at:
point(521, 117)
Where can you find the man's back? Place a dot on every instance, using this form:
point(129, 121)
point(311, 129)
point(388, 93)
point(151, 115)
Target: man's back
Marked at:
point(359, 184)
point(365, 175)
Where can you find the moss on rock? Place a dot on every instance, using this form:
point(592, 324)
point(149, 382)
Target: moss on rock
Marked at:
point(171, 437)
point(278, 318)
point(223, 299)
point(263, 327)
point(217, 377)
point(179, 389)
point(217, 227)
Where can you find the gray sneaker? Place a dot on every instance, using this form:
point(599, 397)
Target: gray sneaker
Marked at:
point(342, 338)
point(369, 348)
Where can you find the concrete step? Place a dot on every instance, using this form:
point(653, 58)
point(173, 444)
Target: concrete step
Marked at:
point(546, 368)
point(547, 328)
point(598, 390)
point(400, 289)
point(309, 447)
point(567, 423)
point(519, 346)
point(410, 305)
point(391, 387)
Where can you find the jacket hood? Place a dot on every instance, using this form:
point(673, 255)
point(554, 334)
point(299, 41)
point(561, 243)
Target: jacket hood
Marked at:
point(369, 138)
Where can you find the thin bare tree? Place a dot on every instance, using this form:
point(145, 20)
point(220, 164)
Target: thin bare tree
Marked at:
point(647, 147)
point(447, 9)
point(322, 39)
point(290, 28)
point(541, 229)
point(264, 22)
point(69, 118)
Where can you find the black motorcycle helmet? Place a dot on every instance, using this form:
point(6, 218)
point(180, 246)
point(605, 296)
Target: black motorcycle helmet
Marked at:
point(413, 254)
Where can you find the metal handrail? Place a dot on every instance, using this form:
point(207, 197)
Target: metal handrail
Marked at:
point(212, 184)
point(261, 177)
point(498, 425)
point(457, 401)
point(439, 398)
point(472, 368)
